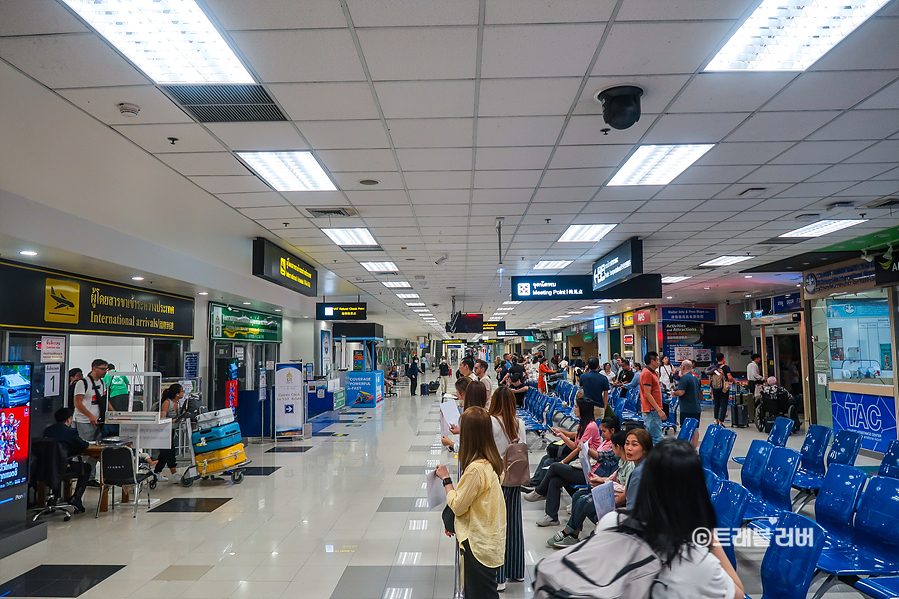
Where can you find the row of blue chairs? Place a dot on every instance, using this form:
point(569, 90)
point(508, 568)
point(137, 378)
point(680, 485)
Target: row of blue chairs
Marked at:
point(537, 413)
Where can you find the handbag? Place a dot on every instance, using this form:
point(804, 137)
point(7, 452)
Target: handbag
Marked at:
point(449, 519)
point(516, 468)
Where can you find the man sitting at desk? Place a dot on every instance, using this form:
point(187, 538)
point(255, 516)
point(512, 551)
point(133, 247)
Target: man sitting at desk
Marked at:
point(68, 437)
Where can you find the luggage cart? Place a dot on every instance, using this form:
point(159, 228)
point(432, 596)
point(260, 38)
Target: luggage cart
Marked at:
point(196, 471)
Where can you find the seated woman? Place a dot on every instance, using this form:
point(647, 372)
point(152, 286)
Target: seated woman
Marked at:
point(636, 448)
point(557, 451)
point(562, 474)
point(582, 501)
point(672, 505)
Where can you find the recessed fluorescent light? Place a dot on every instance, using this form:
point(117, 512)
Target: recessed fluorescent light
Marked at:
point(557, 318)
point(277, 310)
point(350, 237)
point(823, 227)
point(608, 301)
point(575, 312)
point(590, 307)
point(397, 284)
point(501, 309)
point(658, 165)
point(791, 36)
point(552, 264)
point(585, 233)
point(674, 279)
point(28, 253)
point(421, 310)
point(203, 293)
point(379, 266)
point(289, 171)
point(246, 303)
point(669, 297)
point(747, 276)
point(137, 278)
point(511, 303)
point(172, 42)
point(407, 295)
point(495, 318)
point(415, 303)
point(726, 260)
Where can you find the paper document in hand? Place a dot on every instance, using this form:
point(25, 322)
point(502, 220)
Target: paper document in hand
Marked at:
point(585, 461)
point(603, 499)
point(444, 427)
point(436, 492)
point(450, 411)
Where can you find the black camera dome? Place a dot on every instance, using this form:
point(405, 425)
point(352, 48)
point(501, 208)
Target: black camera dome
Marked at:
point(620, 105)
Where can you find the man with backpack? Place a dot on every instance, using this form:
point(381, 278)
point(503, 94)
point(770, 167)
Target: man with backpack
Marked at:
point(720, 379)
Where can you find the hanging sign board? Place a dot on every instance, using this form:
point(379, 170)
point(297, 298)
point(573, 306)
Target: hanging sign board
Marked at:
point(331, 311)
point(621, 263)
point(290, 394)
point(792, 302)
point(494, 326)
point(886, 272)
point(573, 287)
point(283, 268)
point(687, 314)
point(822, 283)
point(236, 324)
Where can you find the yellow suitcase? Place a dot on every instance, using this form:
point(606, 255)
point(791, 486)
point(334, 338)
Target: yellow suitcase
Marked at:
point(213, 461)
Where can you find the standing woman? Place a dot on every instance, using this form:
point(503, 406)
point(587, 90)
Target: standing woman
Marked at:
point(168, 408)
point(473, 394)
point(666, 375)
point(508, 429)
point(480, 518)
point(413, 375)
point(542, 372)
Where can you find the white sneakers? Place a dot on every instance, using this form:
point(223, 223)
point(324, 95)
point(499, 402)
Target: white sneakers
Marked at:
point(162, 477)
point(534, 496)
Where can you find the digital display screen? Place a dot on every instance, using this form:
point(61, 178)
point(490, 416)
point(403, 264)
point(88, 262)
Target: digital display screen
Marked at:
point(15, 417)
point(357, 311)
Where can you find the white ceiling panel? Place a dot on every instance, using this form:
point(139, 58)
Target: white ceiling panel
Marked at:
point(830, 90)
point(500, 196)
point(730, 92)
point(419, 52)
point(278, 14)
point(154, 138)
point(885, 98)
point(428, 210)
point(814, 190)
point(584, 130)
point(539, 50)
point(781, 126)
point(378, 197)
point(431, 133)
point(548, 11)
point(527, 97)
point(712, 174)
point(605, 155)
point(519, 131)
point(634, 192)
point(860, 124)
point(357, 160)
point(768, 191)
point(259, 137)
point(820, 152)
point(742, 153)
point(533, 157)
point(871, 188)
point(432, 159)
point(576, 177)
point(506, 179)
point(792, 173)
point(350, 181)
point(426, 99)
point(230, 184)
point(693, 128)
point(334, 135)
point(325, 101)
point(315, 198)
point(564, 194)
point(252, 199)
point(408, 13)
point(649, 10)
point(37, 17)
point(890, 175)
point(884, 151)
point(852, 172)
point(74, 60)
point(659, 48)
point(438, 180)
point(688, 192)
point(301, 56)
point(439, 196)
point(205, 163)
point(102, 103)
point(287, 212)
point(874, 45)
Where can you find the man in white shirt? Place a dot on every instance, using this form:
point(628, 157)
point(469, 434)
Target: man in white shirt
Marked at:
point(480, 371)
point(754, 373)
point(90, 392)
point(466, 367)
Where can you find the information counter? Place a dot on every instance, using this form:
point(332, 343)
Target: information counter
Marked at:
point(866, 408)
point(370, 384)
point(324, 396)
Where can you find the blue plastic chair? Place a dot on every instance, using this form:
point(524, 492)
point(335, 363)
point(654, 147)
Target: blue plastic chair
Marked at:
point(843, 451)
point(812, 469)
point(724, 443)
point(788, 569)
point(837, 502)
point(671, 421)
point(730, 502)
point(777, 480)
point(712, 481)
point(890, 464)
point(687, 429)
point(876, 536)
point(882, 587)
point(708, 442)
point(781, 431)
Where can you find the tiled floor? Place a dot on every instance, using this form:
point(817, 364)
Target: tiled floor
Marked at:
point(347, 520)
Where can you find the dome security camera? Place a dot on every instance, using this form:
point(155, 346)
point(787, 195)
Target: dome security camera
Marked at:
point(620, 105)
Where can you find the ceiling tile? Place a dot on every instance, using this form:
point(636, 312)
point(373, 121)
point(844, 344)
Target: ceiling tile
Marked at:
point(252, 199)
point(519, 131)
point(885, 98)
point(357, 160)
point(814, 190)
point(781, 126)
point(74, 60)
point(605, 155)
point(267, 213)
point(408, 13)
point(851, 172)
point(768, 191)
point(205, 163)
point(730, 92)
point(350, 181)
point(325, 101)
point(688, 192)
point(693, 128)
point(534, 157)
point(632, 192)
point(649, 10)
point(831, 90)
point(315, 198)
point(820, 152)
point(230, 184)
point(592, 129)
point(154, 138)
point(506, 179)
point(420, 52)
point(260, 137)
point(375, 197)
point(439, 196)
point(438, 179)
point(539, 50)
point(426, 99)
point(671, 206)
point(431, 133)
point(301, 56)
point(37, 17)
point(548, 11)
point(527, 97)
point(659, 48)
point(576, 177)
point(782, 173)
point(431, 159)
point(564, 194)
point(885, 151)
point(871, 188)
point(742, 153)
point(860, 124)
point(278, 14)
point(874, 45)
point(333, 135)
point(501, 196)
point(102, 103)
point(712, 174)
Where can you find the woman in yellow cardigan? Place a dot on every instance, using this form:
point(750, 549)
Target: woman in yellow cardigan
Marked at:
point(478, 504)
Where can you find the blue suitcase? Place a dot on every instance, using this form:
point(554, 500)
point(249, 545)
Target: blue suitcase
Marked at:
point(211, 439)
point(207, 445)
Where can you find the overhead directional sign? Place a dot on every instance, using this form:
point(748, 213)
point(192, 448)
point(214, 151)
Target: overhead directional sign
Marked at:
point(518, 333)
point(619, 264)
point(494, 326)
point(557, 287)
point(282, 268)
point(345, 311)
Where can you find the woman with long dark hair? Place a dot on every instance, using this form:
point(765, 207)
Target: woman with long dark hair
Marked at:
point(508, 429)
point(168, 408)
point(475, 395)
point(673, 503)
point(480, 512)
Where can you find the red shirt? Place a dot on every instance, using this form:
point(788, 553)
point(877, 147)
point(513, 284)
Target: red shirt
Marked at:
point(650, 378)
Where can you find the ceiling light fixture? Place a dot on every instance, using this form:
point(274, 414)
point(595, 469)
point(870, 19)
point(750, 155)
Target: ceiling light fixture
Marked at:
point(511, 303)
point(407, 295)
point(573, 313)
point(791, 36)
point(552, 264)
point(172, 42)
point(289, 171)
point(247, 303)
point(585, 233)
point(137, 278)
point(421, 310)
point(658, 165)
point(415, 303)
point(726, 260)
point(351, 237)
point(669, 297)
point(203, 293)
point(747, 276)
point(675, 279)
point(28, 253)
point(379, 266)
point(397, 284)
point(823, 227)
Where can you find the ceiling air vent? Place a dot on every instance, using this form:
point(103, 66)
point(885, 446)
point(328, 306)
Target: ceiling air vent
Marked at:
point(226, 103)
point(330, 212)
point(884, 203)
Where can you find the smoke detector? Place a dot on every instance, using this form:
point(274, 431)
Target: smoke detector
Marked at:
point(129, 110)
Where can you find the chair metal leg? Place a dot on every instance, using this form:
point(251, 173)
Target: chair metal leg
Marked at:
point(103, 490)
point(825, 586)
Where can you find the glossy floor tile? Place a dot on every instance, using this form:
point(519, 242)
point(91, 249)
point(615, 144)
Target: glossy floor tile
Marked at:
point(260, 470)
point(289, 449)
point(57, 580)
point(200, 504)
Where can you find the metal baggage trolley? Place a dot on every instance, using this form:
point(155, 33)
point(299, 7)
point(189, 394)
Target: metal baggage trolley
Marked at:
point(196, 471)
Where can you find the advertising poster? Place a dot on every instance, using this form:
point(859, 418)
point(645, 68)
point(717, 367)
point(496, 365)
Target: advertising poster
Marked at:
point(702, 354)
point(358, 360)
point(680, 341)
point(327, 353)
point(231, 394)
point(290, 409)
point(15, 416)
point(836, 344)
point(871, 416)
